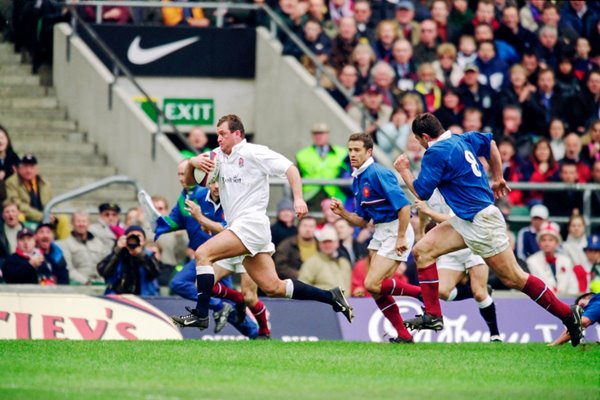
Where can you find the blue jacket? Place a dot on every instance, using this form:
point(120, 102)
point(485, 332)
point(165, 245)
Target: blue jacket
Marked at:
point(125, 274)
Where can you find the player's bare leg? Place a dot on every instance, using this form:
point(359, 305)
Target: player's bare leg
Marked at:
point(506, 268)
point(256, 306)
point(449, 278)
point(479, 275)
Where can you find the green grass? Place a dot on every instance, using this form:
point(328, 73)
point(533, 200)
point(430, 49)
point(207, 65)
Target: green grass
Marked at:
point(276, 370)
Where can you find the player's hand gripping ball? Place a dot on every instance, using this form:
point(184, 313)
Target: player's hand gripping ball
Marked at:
point(205, 179)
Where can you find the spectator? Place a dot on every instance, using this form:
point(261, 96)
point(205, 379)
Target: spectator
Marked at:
point(429, 88)
point(582, 64)
point(585, 106)
point(339, 9)
point(573, 152)
point(504, 51)
point(129, 268)
point(318, 10)
point(363, 59)
point(53, 255)
point(531, 14)
point(548, 50)
point(108, 227)
point(467, 51)
point(590, 152)
point(327, 269)
point(329, 217)
point(9, 161)
point(511, 168)
point(527, 236)
point(314, 38)
point(439, 14)
point(556, 131)
point(348, 76)
point(548, 103)
point(592, 252)
point(322, 160)
point(596, 193)
point(403, 65)
point(540, 168)
point(567, 36)
point(484, 14)
point(492, 70)
point(364, 22)
point(110, 14)
point(26, 264)
point(343, 43)
point(412, 104)
point(451, 111)
point(283, 227)
point(408, 28)
point(291, 13)
point(82, 251)
point(8, 230)
point(372, 99)
point(512, 126)
point(474, 94)
point(556, 270)
point(134, 216)
point(426, 50)
point(520, 92)
point(173, 246)
point(392, 136)
point(565, 202)
point(198, 140)
point(513, 33)
point(576, 233)
point(577, 15)
point(349, 248)
point(293, 251)
point(472, 120)
point(386, 36)
point(447, 71)
point(531, 63)
point(460, 15)
point(382, 76)
point(566, 82)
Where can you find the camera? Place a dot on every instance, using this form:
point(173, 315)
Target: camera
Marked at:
point(133, 241)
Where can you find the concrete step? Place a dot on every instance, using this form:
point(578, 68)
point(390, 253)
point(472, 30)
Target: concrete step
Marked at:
point(68, 159)
point(15, 69)
point(33, 113)
point(52, 170)
point(26, 91)
point(28, 102)
point(59, 136)
point(117, 194)
point(21, 80)
point(7, 58)
point(17, 123)
point(55, 147)
point(50, 131)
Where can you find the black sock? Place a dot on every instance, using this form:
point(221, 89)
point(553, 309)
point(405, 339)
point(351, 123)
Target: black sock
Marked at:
point(205, 283)
point(463, 292)
point(302, 291)
point(489, 316)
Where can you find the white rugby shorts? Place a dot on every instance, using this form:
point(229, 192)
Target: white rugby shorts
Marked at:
point(233, 264)
point(460, 260)
point(384, 240)
point(254, 230)
point(486, 235)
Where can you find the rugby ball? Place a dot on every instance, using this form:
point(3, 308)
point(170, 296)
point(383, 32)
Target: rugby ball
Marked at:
point(204, 179)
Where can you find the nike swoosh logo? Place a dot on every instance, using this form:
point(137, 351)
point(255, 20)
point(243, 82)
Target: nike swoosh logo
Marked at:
point(188, 322)
point(139, 56)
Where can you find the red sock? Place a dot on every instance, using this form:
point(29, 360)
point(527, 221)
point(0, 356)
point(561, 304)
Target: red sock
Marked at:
point(429, 281)
point(539, 292)
point(390, 310)
point(223, 292)
point(396, 287)
point(259, 310)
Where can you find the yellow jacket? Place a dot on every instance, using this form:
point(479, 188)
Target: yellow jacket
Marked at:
point(174, 15)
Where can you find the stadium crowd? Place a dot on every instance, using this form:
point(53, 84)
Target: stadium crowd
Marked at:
point(529, 72)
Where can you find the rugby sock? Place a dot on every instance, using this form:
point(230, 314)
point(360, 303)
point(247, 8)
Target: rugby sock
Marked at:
point(429, 281)
point(302, 291)
point(463, 292)
point(396, 287)
point(205, 280)
point(539, 292)
point(487, 309)
point(259, 310)
point(390, 310)
point(223, 292)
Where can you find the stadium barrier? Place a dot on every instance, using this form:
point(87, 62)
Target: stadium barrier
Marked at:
point(26, 315)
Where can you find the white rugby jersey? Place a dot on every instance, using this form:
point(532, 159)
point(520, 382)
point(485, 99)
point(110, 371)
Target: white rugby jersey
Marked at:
point(244, 178)
point(438, 204)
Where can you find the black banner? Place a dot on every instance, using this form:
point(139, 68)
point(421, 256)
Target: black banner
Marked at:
point(178, 51)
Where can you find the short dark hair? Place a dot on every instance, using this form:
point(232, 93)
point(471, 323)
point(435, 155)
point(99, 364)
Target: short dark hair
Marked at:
point(362, 137)
point(568, 163)
point(427, 123)
point(583, 296)
point(233, 122)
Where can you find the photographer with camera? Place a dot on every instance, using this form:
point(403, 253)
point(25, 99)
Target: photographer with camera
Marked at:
point(129, 269)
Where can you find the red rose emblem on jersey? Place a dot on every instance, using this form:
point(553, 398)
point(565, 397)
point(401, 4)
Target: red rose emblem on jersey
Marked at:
point(366, 192)
point(241, 162)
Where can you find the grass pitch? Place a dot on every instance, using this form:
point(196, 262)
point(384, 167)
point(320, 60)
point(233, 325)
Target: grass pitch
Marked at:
point(192, 369)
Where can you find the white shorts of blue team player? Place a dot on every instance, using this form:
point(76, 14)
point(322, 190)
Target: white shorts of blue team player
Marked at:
point(254, 231)
point(486, 235)
point(461, 260)
point(233, 264)
point(384, 240)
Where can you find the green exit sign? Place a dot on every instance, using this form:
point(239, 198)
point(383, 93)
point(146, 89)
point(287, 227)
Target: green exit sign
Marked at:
point(190, 111)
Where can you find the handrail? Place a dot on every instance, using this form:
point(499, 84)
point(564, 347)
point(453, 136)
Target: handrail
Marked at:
point(279, 24)
point(90, 187)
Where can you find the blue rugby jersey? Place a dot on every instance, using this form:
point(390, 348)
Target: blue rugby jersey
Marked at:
point(179, 218)
point(377, 193)
point(451, 165)
point(592, 310)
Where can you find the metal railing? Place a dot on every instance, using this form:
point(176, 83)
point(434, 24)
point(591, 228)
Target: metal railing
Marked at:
point(90, 187)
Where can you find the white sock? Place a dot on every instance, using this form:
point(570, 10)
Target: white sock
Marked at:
point(289, 288)
point(486, 302)
point(204, 269)
point(452, 295)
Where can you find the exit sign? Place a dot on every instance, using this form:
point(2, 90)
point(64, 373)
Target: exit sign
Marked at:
point(190, 111)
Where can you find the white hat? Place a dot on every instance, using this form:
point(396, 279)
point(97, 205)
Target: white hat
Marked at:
point(539, 211)
point(549, 228)
point(327, 233)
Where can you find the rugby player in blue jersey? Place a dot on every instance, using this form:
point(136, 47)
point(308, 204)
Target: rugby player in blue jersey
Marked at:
point(379, 199)
point(450, 164)
point(590, 302)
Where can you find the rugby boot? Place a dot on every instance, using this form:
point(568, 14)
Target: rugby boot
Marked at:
point(190, 320)
point(340, 304)
point(399, 340)
point(221, 316)
point(573, 324)
point(240, 313)
point(425, 321)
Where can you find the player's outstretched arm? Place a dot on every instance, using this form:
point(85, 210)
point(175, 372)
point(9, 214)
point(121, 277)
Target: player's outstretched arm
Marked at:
point(565, 337)
point(434, 215)
point(293, 177)
point(207, 224)
point(338, 209)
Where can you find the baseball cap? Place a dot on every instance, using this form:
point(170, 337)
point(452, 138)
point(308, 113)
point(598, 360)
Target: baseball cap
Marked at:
point(29, 159)
point(406, 5)
point(327, 233)
point(285, 204)
point(44, 225)
point(539, 211)
point(135, 228)
point(24, 232)
point(320, 127)
point(472, 67)
point(593, 242)
point(109, 206)
point(373, 89)
point(549, 228)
